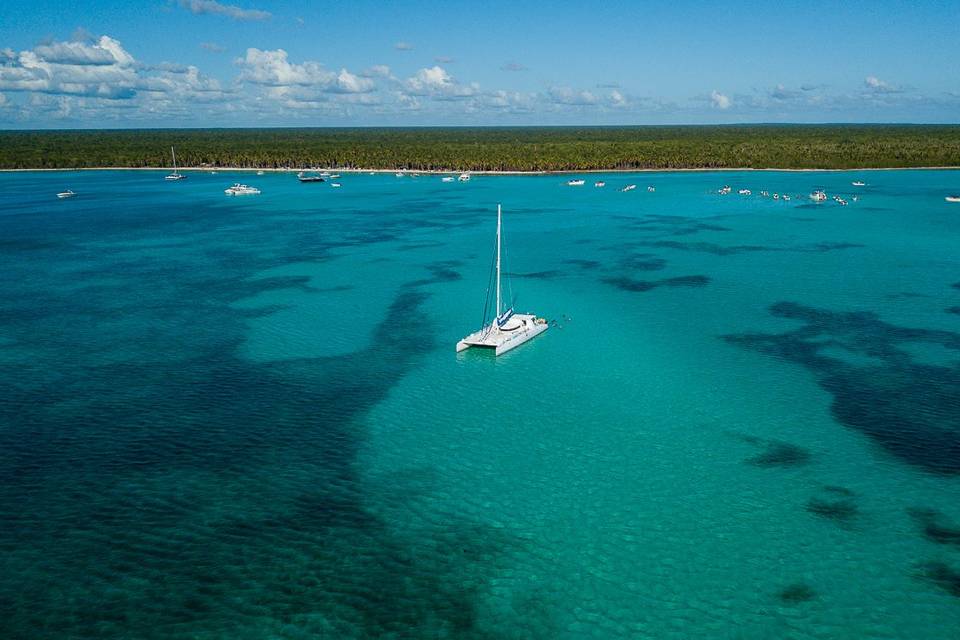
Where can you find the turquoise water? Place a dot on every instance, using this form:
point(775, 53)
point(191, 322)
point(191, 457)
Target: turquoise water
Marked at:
point(244, 417)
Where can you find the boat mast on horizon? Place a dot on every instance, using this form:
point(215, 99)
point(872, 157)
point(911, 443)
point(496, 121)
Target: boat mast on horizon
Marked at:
point(176, 175)
point(508, 329)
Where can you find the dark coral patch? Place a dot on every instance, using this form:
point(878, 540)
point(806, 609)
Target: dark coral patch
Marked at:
point(774, 453)
point(934, 528)
point(630, 284)
point(843, 510)
point(583, 264)
point(910, 409)
point(797, 593)
point(942, 575)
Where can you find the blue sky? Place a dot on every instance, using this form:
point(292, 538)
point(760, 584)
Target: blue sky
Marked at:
point(110, 63)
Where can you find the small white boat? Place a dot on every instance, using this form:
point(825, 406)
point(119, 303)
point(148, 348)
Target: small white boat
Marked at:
point(447, 179)
point(335, 185)
point(776, 196)
point(325, 174)
point(651, 189)
point(859, 183)
point(305, 177)
point(507, 330)
point(599, 183)
point(786, 197)
point(575, 183)
point(176, 175)
point(841, 202)
point(725, 190)
point(259, 173)
point(629, 187)
point(333, 175)
point(818, 196)
point(66, 194)
point(764, 194)
point(744, 192)
point(399, 174)
point(952, 198)
point(464, 177)
point(241, 190)
point(372, 173)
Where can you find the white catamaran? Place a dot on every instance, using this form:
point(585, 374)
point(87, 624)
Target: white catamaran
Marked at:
point(176, 175)
point(508, 329)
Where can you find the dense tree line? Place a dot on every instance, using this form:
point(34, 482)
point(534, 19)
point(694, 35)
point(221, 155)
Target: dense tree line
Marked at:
point(502, 148)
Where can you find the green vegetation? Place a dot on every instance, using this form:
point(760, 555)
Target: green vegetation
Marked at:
point(507, 148)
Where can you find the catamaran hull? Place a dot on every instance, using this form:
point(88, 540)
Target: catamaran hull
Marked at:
point(502, 341)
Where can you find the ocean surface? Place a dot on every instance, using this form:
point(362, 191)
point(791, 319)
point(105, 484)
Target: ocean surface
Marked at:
point(244, 417)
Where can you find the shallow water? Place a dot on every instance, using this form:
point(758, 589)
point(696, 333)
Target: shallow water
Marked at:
point(244, 417)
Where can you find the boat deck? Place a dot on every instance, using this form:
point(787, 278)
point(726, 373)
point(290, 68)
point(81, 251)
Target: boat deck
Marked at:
point(517, 330)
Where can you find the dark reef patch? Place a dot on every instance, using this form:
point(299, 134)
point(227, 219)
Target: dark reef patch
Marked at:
point(630, 284)
point(842, 510)
point(774, 453)
point(911, 409)
point(641, 262)
point(942, 575)
point(583, 264)
point(440, 271)
point(796, 593)
point(661, 225)
point(155, 483)
point(934, 528)
point(537, 275)
point(953, 310)
point(721, 250)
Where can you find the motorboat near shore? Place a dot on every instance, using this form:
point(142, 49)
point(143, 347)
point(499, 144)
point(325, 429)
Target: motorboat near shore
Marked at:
point(575, 183)
point(819, 196)
point(952, 198)
point(508, 329)
point(306, 177)
point(66, 194)
point(241, 190)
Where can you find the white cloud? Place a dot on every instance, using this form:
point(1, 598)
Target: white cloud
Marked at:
point(104, 69)
point(347, 82)
point(571, 97)
point(213, 7)
point(272, 68)
point(78, 53)
point(437, 83)
point(719, 100)
point(377, 71)
point(876, 85)
point(618, 100)
point(403, 46)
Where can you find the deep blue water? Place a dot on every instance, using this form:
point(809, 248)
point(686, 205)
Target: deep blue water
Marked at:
point(244, 417)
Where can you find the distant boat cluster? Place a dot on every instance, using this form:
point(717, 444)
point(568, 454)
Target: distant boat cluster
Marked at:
point(316, 176)
point(579, 182)
point(817, 195)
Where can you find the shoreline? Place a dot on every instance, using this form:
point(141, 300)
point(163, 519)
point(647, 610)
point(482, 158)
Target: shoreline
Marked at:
point(482, 172)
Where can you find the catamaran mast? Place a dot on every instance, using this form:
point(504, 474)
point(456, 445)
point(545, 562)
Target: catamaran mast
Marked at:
point(174, 154)
point(498, 266)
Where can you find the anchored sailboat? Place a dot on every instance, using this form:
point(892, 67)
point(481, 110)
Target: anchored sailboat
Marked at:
point(508, 329)
point(176, 175)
